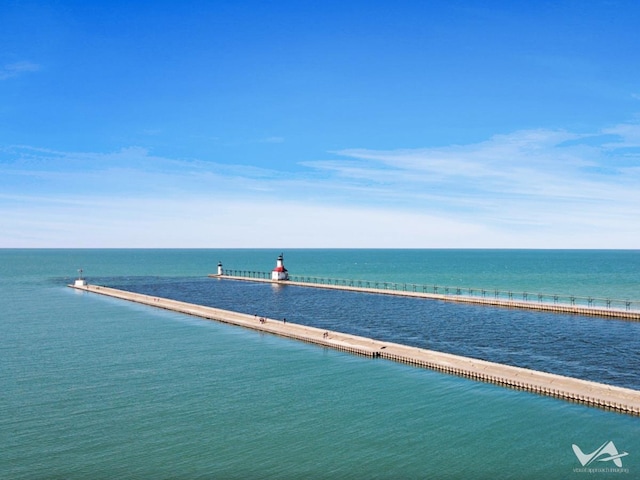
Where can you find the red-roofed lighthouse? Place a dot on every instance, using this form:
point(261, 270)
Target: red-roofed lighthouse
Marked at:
point(279, 273)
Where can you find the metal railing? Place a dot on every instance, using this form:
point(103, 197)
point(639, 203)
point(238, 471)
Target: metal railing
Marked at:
point(484, 293)
point(247, 274)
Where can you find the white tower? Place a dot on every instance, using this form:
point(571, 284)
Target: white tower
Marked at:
point(220, 271)
point(279, 273)
point(80, 282)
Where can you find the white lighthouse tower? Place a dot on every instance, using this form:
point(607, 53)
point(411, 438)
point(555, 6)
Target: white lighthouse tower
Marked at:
point(279, 273)
point(220, 271)
point(80, 282)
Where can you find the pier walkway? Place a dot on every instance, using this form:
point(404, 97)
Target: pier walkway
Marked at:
point(591, 308)
point(620, 399)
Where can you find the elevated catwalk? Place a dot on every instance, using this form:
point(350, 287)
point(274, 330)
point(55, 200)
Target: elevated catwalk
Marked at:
point(496, 302)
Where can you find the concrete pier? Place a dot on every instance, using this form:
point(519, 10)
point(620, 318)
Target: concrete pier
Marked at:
point(496, 302)
point(620, 399)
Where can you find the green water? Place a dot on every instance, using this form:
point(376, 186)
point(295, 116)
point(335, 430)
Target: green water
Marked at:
point(98, 388)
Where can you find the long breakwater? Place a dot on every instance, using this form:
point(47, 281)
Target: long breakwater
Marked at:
point(591, 306)
point(582, 391)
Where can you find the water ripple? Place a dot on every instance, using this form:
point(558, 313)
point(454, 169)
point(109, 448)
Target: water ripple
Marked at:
point(584, 347)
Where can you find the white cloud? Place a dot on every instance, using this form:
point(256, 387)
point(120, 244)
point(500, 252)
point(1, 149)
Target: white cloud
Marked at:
point(210, 222)
point(15, 69)
point(272, 140)
point(533, 189)
point(525, 165)
point(216, 222)
point(629, 135)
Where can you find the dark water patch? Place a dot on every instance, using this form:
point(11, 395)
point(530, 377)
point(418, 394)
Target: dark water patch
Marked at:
point(601, 350)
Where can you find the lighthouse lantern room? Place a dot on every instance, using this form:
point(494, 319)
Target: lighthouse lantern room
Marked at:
point(279, 273)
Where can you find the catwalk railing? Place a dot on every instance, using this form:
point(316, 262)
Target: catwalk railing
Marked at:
point(448, 291)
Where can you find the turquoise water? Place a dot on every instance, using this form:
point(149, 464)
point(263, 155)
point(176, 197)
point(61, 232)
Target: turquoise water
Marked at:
point(597, 273)
point(591, 348)
point(98, 388)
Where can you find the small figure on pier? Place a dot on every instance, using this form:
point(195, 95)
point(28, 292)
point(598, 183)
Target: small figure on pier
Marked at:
point(280, 273)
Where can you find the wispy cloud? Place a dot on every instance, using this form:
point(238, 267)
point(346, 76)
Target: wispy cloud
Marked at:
point(537, 188)
point(628, 135)
point(213, 221)
point(524, 166)
point(132, 171)
point(273, 139)
point(552, 182)
point(15, 69)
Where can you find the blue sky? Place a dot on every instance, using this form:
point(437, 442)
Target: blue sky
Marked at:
point(417, 124)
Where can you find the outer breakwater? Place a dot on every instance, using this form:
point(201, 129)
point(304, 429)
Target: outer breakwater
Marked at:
point(582, 391)
point(458, 297)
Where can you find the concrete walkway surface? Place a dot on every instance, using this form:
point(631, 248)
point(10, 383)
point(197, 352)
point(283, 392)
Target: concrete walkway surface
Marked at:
point(620, 399)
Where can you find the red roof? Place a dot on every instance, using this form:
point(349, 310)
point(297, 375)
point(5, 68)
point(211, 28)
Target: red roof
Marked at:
point(279, 269)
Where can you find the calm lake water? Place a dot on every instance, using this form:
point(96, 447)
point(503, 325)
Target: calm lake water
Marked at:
point(99, 388)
